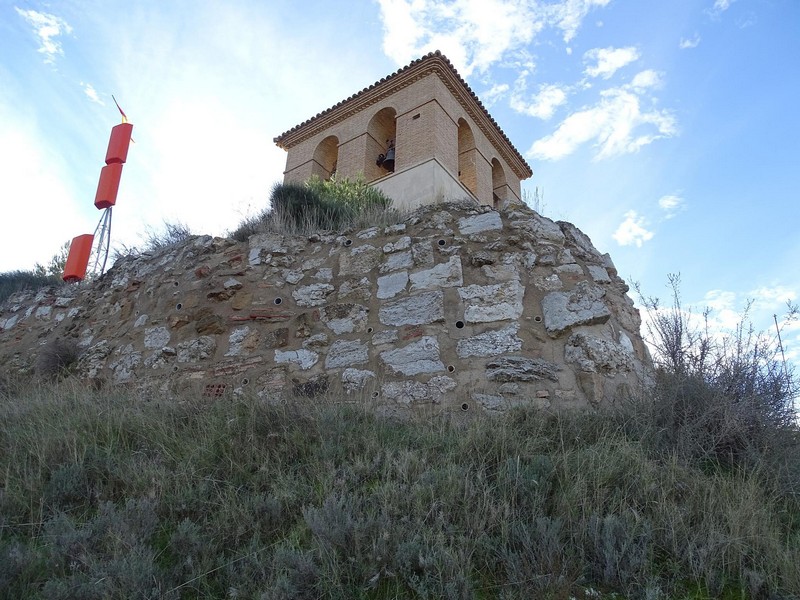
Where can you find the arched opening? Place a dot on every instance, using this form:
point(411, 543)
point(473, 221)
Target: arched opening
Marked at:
point(381, 136)
point(499, 183)
point(325, 157)
point(467, 173)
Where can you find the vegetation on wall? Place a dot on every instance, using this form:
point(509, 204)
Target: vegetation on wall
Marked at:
point(335, 204)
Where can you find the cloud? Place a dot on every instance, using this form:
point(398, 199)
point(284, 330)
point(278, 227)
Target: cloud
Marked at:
point(91, 93)
point(493, 94)
point(609, 60)
point(671, 205)
point(617, 124)
point(689, 43)
point(632, 230)
point(722, 5)
point(474, 34)
point(772, 298)
point(543, 104)
point(47, 28)
point(569, 15)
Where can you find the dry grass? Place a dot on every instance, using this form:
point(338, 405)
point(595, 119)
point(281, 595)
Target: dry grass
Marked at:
point(110, 496)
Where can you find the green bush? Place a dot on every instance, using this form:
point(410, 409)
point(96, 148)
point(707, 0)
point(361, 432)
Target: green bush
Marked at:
point(319, 205)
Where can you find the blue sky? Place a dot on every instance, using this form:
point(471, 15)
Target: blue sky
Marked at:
point(667, 131)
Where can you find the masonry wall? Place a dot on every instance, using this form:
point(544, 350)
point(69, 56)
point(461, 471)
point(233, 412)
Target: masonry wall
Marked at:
point(459, 308)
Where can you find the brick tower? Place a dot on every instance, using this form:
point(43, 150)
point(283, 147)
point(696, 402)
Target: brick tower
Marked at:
point(421, 135)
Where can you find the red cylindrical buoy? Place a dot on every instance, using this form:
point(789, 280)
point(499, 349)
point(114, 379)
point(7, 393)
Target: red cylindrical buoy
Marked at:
point(78, 259)
point(118, 144)
point(108, 186)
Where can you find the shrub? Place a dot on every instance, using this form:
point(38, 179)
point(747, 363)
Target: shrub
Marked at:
point(18, 281)
point(726, 399)
point(171, 233)
point(57, 357)
point(319, 205)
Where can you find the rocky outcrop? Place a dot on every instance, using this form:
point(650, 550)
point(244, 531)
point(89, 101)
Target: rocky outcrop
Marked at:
point(460, 307)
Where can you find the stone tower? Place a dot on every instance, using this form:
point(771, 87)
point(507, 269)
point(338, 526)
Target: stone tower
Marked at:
point(445, 144)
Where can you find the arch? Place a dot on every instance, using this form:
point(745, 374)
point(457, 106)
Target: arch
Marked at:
point(381, 133)
point(326, 156)
point(467, 172)
point(499, 183)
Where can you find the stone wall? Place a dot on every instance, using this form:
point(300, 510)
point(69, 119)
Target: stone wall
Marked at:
point(459, 308)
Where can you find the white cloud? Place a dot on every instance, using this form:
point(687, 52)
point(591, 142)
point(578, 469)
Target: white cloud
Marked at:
point(91, 93)
point(632, 230)
point(671, 205)
point(772, 298)
point(47, 28)
point(689, 43)
point(617, 125)
point(609, 60)
point(543, 104)
point(722, 5)
point(569, 14)
point(474, 34)
point(643, 80)
point(493, 94)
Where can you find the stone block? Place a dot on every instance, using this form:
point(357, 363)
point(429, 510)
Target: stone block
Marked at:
point(582, 306)
point(354, 380)
point(344, 317)
point(520, 368)
point(156, 337)
point(417, 357)
point(277, 338)
point(345, 353)
point(355, 289)
point(397, 261)
point(496, 302)
point(391, 285)
point(305, 359)
point(359, 260)
point(486, 222)
point(490, 343)
point(427, 307)
point(315, 294)
point(441, 276)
